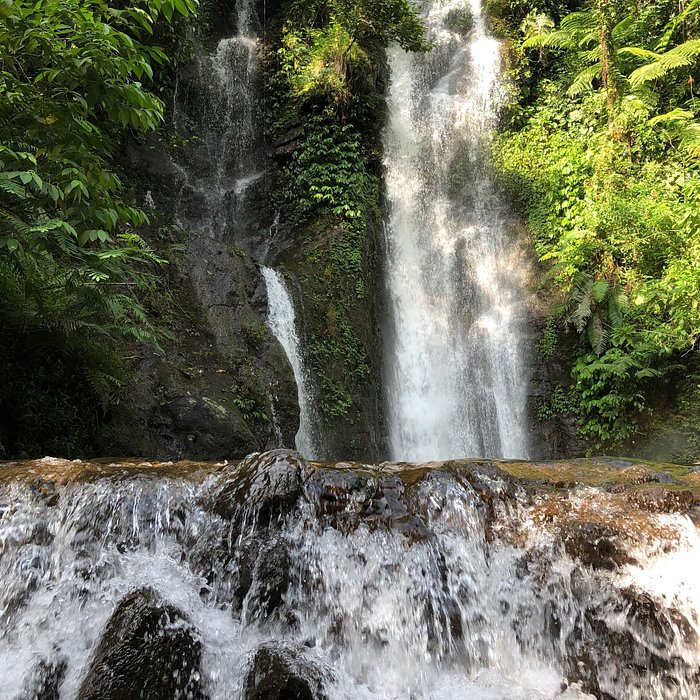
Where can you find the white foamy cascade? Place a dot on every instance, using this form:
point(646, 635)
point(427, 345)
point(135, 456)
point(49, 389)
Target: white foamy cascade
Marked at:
point(229, 156)
point(484, 606)
point(456, 379)
point(282, 322)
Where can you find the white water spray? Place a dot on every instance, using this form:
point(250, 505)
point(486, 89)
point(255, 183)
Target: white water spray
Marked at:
point(456, 380)
point(475, 603)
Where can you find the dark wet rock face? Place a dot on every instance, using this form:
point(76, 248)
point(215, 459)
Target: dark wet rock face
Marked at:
point(661, 500)
point(266, 485)
point(344, 499)
point(282, 673)
point(211, 393)
point(595, 545)
point(148, 650)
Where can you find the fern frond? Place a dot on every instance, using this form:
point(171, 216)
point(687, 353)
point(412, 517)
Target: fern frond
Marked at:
point(624, 29)
point(599, 290)
point(578, 22)
point(689, 139)
point(690, 9)
point(678, 57)
point(618, 303)
point(580, 301)
point(549, 40)
point(13, 224)
point(584, 80)
point(591, 56)
point(674, 116)
point(597, 335)
point(638, 52)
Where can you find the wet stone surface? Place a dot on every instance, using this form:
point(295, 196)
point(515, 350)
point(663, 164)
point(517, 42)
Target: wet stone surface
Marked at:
point(148, 650)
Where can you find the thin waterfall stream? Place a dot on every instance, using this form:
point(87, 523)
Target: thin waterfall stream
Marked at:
point(283, 324)
point(229, 158)
point(456, 379)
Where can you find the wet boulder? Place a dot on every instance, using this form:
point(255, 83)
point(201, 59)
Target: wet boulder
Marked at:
point(662, 500)
point(340, 496)
point(346, 495)
point(148, 650)
point(594, 544)
point(283, 672)
point(389, 508)
point(643, 474)
point(263, 487)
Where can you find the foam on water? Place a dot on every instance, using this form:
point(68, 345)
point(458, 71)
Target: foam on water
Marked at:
point(487, 608)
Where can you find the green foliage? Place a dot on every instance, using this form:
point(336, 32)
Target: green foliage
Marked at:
point(607, 173)
point(328, 174)
point(562, 401)
point(548, 343)
point(72, 264)
point(248, 402)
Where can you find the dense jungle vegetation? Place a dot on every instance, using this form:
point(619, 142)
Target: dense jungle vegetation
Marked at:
point(75, 77)
point(601, 148)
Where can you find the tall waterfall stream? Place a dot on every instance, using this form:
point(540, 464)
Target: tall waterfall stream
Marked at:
point(456, 381)
point(279, 578)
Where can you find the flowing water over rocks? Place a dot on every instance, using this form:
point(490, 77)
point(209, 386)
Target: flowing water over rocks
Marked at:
point(216, 104)
point(457, 383)
point(280, 578)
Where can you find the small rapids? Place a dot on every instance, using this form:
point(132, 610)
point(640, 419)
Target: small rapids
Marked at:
point(280, 578)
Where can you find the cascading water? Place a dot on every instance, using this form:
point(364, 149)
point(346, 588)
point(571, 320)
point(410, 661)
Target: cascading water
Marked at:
point(282, 322)
point(228, 158)
point(443, 581)
point(456, 380)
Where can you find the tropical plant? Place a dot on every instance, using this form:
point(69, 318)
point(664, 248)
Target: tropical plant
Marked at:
point(73, 265)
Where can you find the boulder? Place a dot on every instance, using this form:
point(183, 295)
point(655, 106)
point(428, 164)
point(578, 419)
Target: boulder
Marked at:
point(282, 672)
point(148, 650)
point(662, 500)
point(594, 544)
point(264, 485)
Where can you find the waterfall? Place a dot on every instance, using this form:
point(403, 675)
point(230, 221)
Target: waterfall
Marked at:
point(456, 380)
point(227, 159)
point(282, 321)
point(362, 582)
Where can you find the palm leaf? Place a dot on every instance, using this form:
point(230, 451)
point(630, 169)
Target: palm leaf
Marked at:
point(584, 80)
point(550, 40)
point(578, 22)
